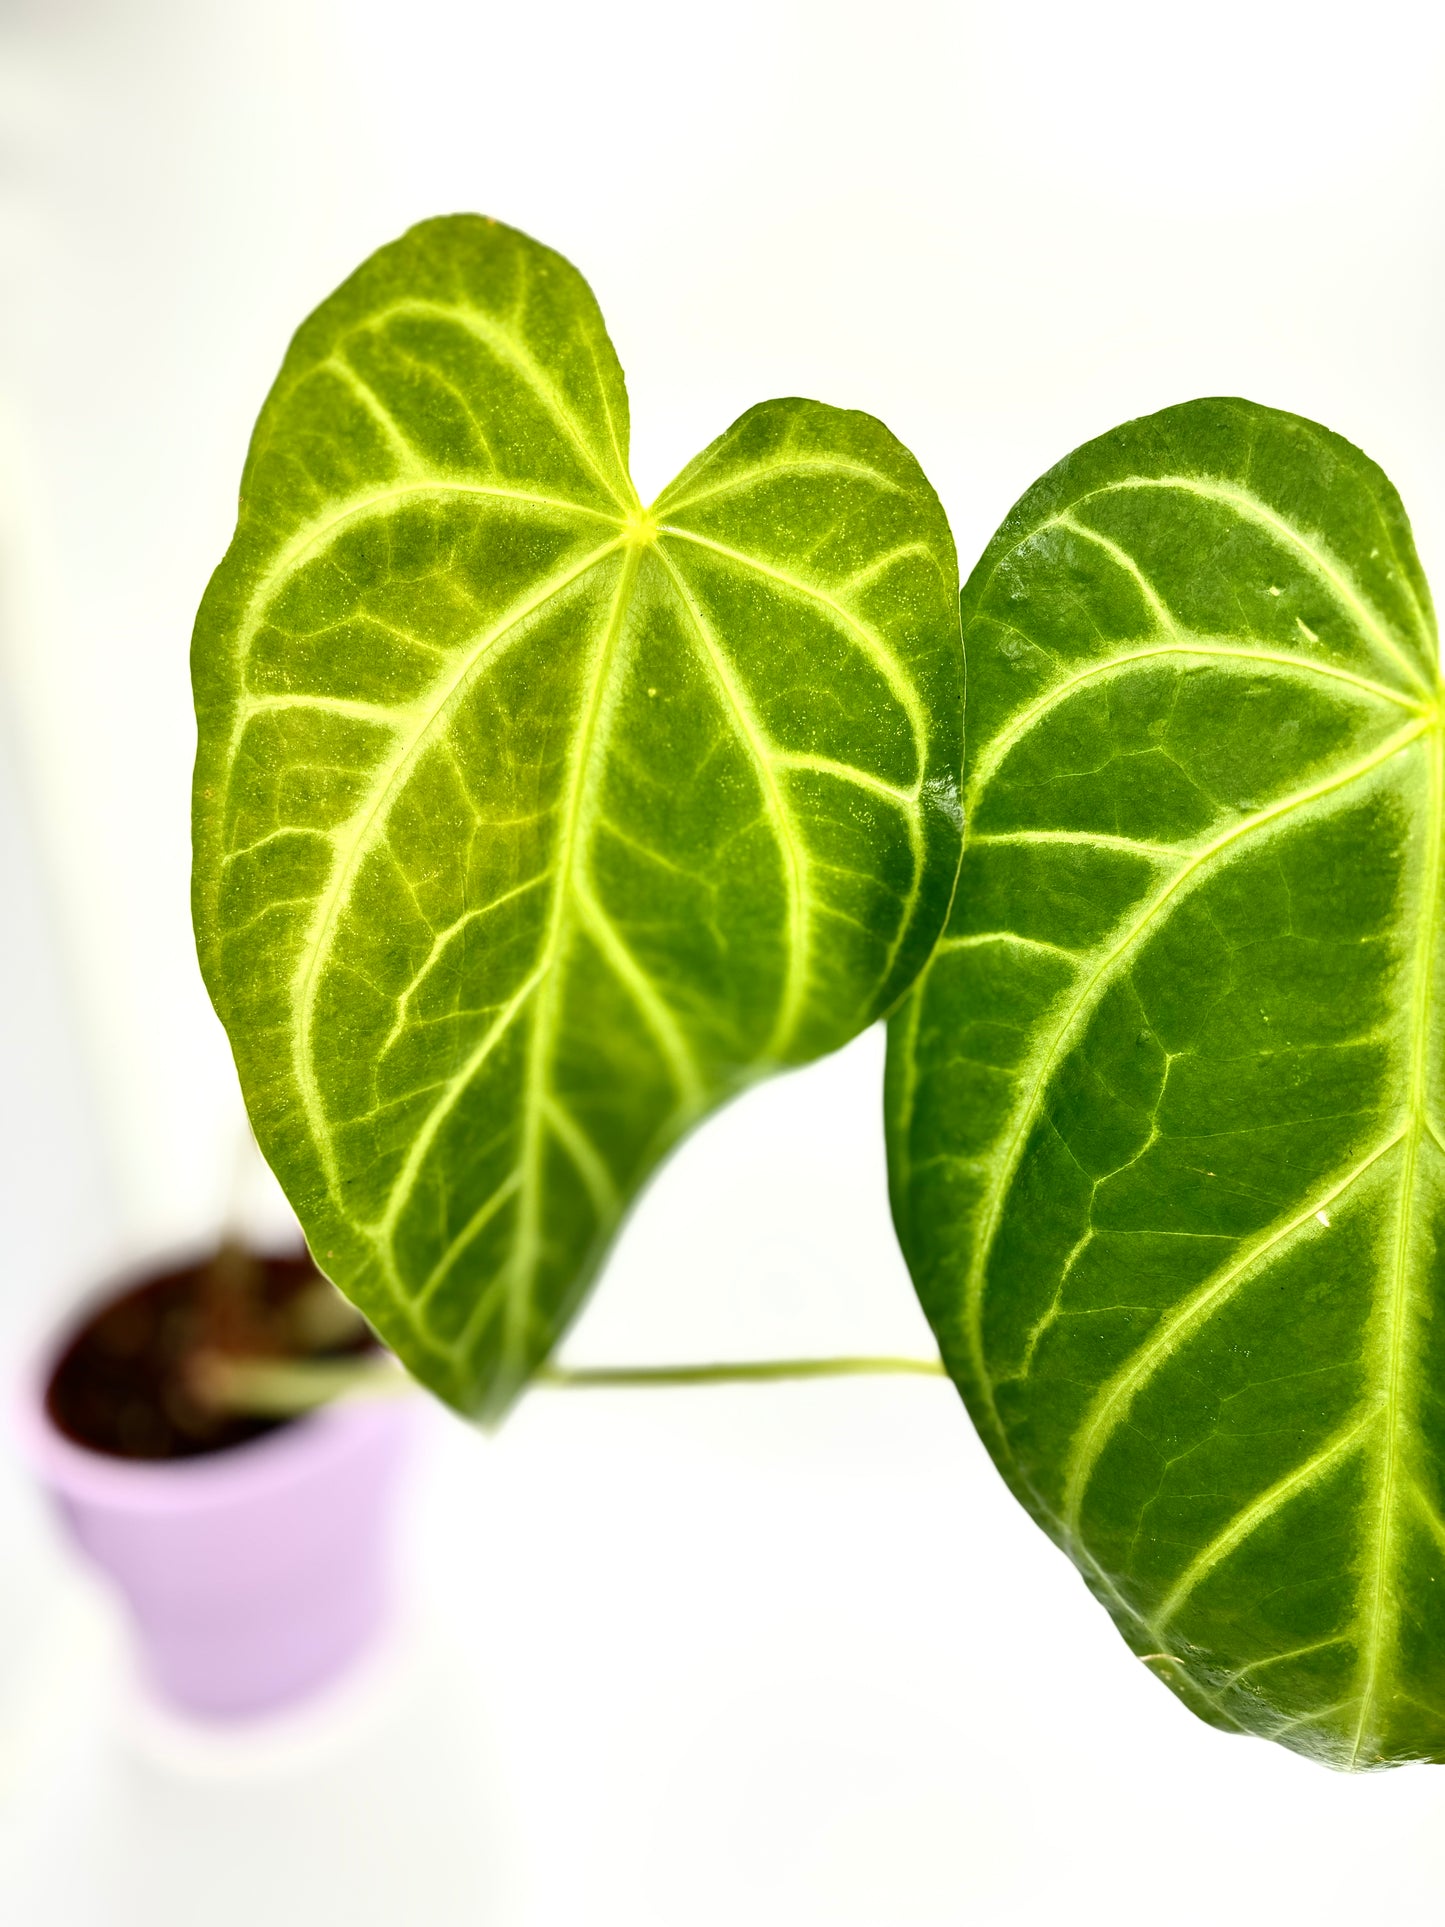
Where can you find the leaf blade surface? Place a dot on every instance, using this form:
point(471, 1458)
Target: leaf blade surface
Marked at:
point(1164, 1110)
point(531, 824)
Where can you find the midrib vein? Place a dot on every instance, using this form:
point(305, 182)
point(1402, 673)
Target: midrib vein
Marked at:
point(1381, 1622)
point(791, 849)
point(522, 1269)
point(1081, 1007)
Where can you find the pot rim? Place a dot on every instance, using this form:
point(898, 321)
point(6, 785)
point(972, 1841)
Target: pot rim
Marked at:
point(294, 1451)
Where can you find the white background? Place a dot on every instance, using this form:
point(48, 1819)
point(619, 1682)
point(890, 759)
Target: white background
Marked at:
point(783, 1656)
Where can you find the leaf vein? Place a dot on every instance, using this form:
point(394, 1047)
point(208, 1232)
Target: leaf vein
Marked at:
point(1086, 998)
point(1259, 1511)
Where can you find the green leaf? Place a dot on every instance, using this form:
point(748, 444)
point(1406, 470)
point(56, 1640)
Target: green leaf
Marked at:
point(530, 824)
point(1166, 1111)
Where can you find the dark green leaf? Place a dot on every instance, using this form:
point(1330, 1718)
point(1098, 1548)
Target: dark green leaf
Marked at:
point(531, 824)
point(1166, 1111)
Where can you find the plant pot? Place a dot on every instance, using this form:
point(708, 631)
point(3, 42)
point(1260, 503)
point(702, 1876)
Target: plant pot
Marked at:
point(254, 1574)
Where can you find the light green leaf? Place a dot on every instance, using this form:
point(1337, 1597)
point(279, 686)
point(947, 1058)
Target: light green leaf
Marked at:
point(1166, 1111)
point(531, 824)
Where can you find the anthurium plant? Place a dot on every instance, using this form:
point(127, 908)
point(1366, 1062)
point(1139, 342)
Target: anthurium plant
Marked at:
point(532, 823)
point(1165, 1111)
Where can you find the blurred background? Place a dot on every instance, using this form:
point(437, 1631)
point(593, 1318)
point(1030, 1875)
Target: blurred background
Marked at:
point(776, 1655)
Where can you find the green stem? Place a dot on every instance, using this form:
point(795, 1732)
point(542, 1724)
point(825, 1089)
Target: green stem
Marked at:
point(745, 1372)
point(286, 1388)
point(268, 1388)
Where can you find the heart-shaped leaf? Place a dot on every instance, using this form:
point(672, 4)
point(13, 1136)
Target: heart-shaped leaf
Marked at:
point(530, 824)
point(1166, 1111)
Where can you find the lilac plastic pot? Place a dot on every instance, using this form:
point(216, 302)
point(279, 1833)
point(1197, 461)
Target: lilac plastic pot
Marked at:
point(253, 1575)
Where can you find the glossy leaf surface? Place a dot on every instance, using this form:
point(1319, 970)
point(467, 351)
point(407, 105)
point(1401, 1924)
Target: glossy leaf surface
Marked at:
point(1166, 1111)
point(530, 824)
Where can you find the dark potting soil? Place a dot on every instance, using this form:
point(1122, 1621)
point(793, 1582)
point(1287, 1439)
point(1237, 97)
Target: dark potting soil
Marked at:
point(128, 1385)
